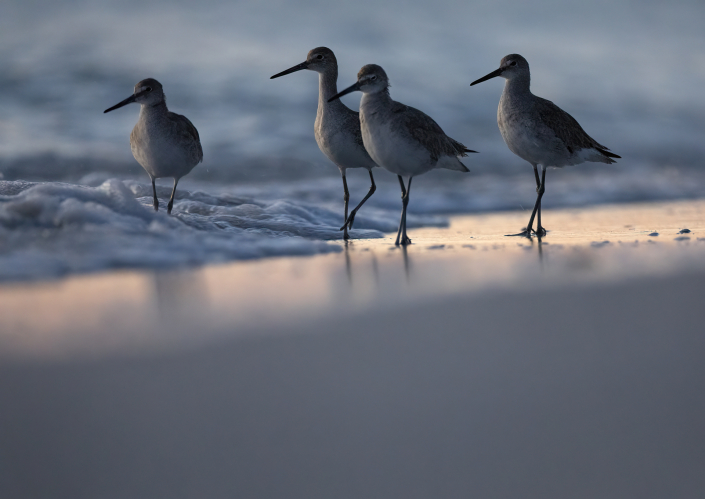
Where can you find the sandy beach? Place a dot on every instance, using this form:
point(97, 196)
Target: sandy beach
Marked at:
point(469, 364)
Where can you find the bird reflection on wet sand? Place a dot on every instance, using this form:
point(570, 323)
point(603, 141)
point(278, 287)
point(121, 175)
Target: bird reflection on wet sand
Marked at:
point(180, 295)
point(348, 250)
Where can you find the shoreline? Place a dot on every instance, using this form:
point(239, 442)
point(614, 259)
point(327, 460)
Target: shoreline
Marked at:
point(123, 311)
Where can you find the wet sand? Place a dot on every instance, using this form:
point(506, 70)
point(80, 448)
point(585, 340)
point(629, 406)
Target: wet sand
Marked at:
point(101, 313)
point(469, 364)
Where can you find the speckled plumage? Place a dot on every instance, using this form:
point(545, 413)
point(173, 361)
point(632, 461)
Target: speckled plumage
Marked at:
point(424, 130)
point(538, 131)
point(337, 127)
point(166, 144)
point(400, 138)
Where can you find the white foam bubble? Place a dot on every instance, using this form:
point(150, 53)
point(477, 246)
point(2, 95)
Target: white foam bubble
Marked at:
point(50, 229)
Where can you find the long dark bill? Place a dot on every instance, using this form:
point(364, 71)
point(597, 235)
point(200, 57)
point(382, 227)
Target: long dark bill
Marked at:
point(294, 69)
point(127, 101)
point(494, 73)
point(352, 88)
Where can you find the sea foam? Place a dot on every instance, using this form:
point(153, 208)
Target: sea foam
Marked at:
point(51, 229)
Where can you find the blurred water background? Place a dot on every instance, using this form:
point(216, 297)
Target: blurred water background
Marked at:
point(631, 72)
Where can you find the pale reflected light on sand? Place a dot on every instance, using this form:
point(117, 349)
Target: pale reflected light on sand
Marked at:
point(137, 311)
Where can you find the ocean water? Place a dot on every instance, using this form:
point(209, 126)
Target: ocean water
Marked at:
point(74, 199)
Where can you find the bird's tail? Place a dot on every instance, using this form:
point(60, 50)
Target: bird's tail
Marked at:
point(451, 163)
point(607, 153)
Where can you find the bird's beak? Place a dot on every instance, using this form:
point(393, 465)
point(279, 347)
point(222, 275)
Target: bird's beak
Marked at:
point(496, 72)
point(352, 88)
point(298, 67)
point(127, 101)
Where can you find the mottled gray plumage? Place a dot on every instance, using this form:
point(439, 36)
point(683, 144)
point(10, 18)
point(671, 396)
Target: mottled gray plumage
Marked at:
point(337, 127)
point(538, 131)
point(166, 144)
point(400, 138)
point(423, 129)
point(567, 129)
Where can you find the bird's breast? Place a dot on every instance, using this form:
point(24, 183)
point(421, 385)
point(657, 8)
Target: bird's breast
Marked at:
point(339, 140)
point(392, 150)
point(162, 151)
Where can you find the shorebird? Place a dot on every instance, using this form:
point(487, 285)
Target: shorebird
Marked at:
point(166, 144)
point(337, 127)
point(538, 131)
point(399, 138)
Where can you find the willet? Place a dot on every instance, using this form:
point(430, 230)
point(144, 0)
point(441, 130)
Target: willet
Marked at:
point(399, 138)
point(166, 144)
point(538, 131)
point(337, 127)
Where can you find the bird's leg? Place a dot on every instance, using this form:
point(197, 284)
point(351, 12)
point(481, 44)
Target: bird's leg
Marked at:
point(527, 232)
point(537, 207)
point(540, 231)
point(403, 210)
point(536, 174)
point(349, 221)
point(171, 199)
point(346, 198)
point(405, 202)
point(154, 192)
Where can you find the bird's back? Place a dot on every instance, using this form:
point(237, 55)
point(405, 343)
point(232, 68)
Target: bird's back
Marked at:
point(540, 132)
point(405, 140)
point(424, 130)
point(187, 136)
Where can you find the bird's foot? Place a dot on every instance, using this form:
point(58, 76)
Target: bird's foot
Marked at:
point(404, 241)
point(155, 206)
point(348, 223)
point(346, 236)
point(540, 232)
point(523, 233)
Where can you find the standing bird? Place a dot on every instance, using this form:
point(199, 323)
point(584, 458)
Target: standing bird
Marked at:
point(399, 138)
point(166, 144)
point(337, 127)
point(538, 131)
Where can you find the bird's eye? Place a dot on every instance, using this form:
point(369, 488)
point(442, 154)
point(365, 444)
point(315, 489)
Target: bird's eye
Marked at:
point(148, 89)
point(319, 56)
point(513, 63)
point(373, 77)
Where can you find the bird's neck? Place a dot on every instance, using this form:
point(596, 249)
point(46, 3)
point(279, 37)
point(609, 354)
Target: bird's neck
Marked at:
point(327, 88)
point(519, 85)
point(377, 101)
point(154, 111)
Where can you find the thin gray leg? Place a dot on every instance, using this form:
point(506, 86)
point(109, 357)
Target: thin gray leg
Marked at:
point(346, 198)
point(403, 210)
point(527, 232)
point(536, 174)
point(155, 203)
point(171, 199)
point(349, 221)
point(540, 231)
point(537, 206)
point(404, 238)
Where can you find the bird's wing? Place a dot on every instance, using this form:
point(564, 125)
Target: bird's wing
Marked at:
point(423, 129)
point(353, 117)
point(186, 130)
point(565, 127)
